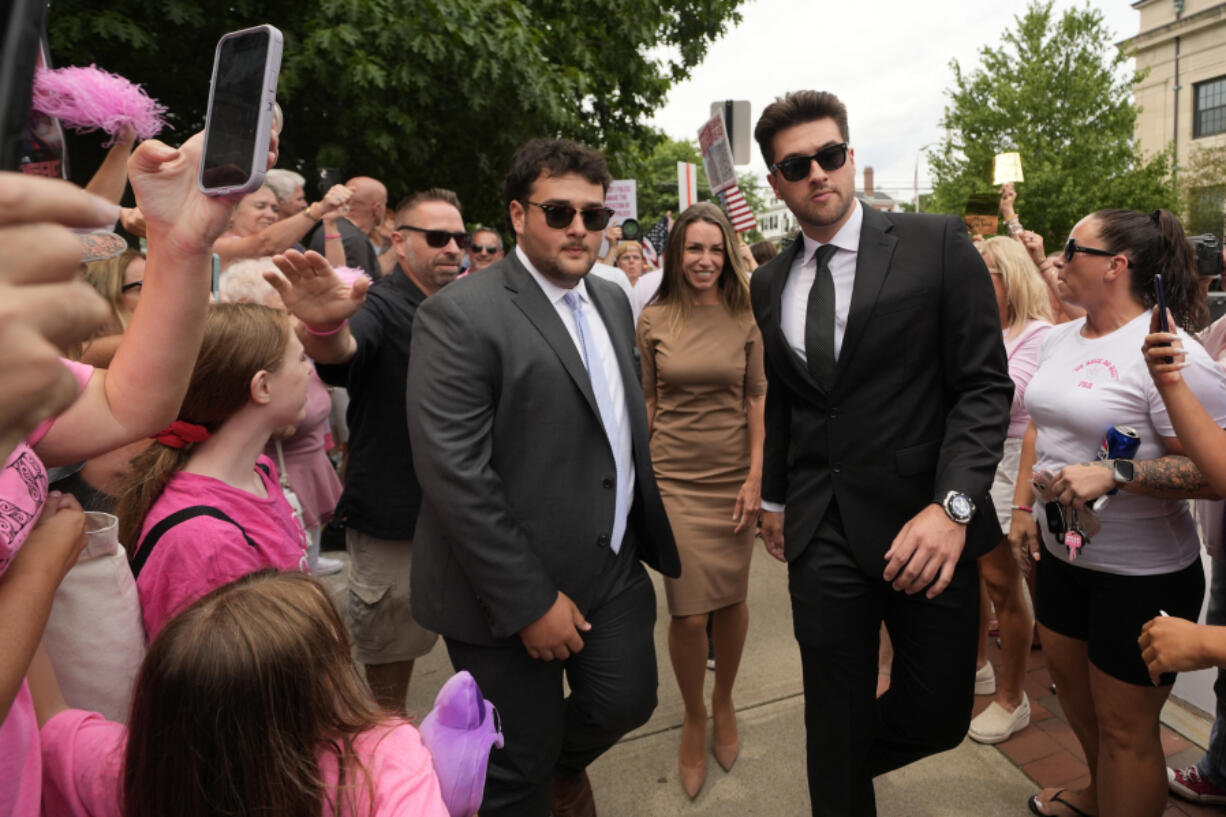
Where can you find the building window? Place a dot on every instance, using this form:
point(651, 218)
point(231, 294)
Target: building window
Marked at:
point(1209, 114)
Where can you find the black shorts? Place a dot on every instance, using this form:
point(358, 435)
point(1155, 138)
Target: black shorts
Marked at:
point(1107, 610)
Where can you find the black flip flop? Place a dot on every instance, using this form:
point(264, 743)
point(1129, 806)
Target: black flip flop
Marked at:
point(1033, 803)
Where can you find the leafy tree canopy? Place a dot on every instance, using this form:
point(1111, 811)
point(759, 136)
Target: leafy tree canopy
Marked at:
point(1051, 90)
point(418, 93)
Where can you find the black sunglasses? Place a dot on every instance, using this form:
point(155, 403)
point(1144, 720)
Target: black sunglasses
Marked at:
point(561, 216)
point(829, 158)
point(481, 248)
point(134, 285)
point(1073, 247)
point(439, 238)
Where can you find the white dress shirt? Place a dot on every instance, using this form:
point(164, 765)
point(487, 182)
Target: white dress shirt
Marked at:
point(608, 359)
point(795, 305)
point(794, 308)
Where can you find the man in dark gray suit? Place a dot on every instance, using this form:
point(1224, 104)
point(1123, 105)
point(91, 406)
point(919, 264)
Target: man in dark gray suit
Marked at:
point(529, 436)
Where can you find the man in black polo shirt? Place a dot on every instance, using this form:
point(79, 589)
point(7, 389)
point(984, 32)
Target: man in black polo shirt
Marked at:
point(369, 356)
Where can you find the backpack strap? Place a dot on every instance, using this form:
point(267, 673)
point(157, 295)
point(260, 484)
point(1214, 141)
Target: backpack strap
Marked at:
point(177, 518)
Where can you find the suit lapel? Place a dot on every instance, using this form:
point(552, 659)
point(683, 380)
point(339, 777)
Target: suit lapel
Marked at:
point(531, 300)
point(872, 267)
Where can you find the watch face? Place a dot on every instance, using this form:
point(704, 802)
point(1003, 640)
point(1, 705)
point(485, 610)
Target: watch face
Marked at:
point(1124, 471)
point(960, 505)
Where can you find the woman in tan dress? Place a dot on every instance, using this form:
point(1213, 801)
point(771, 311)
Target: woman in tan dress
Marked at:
point(705, 387)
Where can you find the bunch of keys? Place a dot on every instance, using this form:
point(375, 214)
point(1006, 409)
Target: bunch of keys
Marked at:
point(1066, 529)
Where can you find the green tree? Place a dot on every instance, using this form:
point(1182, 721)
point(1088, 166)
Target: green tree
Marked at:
point(1051, 90)
point(656, 173)
point(418, 93)
point(1202, 184)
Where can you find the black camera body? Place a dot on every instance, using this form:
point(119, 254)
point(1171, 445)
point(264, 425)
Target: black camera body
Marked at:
point(1208, 250)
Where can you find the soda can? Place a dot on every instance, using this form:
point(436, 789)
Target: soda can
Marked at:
point(1120, 443)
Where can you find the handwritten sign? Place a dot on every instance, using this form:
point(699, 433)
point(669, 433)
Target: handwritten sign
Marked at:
point(623, 199)
point(1008, 168)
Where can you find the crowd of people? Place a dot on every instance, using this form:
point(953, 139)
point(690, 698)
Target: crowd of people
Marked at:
point(911, 417)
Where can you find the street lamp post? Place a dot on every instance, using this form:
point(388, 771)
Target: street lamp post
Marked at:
point(915, 181)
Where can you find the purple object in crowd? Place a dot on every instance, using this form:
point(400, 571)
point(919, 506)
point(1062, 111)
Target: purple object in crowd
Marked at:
point(459, 733)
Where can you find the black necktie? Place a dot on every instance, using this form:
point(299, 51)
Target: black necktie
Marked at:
point(819, 320)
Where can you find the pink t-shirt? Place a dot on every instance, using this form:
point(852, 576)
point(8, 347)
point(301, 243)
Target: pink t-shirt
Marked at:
point(83, 757)
point(1023, 353)
point(203, 553)
point(23, 492)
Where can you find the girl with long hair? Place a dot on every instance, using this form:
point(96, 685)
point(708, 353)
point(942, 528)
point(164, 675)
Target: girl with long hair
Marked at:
point(705, 385)
point(1092, 601)
point(203, 505)
point(248, 703)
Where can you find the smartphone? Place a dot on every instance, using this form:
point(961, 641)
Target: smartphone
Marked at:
point(22, 41)
point(1164, 323)
point(242, 97)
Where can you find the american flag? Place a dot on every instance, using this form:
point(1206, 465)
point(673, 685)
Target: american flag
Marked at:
point(737, 208)
point(654, 241)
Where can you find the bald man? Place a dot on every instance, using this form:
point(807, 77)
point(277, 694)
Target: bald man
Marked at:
point(367, 206)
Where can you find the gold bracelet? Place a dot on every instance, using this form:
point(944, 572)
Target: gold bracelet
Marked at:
point(308, 212)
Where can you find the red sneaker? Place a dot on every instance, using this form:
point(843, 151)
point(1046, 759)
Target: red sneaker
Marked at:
point(1189, 785)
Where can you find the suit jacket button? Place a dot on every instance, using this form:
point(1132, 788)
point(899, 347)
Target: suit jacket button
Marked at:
point(606, 483)
point(602, 540)
point(838, 468)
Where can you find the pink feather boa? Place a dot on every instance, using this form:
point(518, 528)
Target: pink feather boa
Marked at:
point(350, 275)
point(89, 99)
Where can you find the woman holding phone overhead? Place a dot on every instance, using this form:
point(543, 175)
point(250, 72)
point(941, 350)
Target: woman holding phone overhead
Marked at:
point(705, 386)
point(1092, 600)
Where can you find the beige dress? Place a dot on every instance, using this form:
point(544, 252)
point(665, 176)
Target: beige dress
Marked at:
point(700, 376)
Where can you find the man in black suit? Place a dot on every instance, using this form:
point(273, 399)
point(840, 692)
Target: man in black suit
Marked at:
point(529, 436)
point(886, 413)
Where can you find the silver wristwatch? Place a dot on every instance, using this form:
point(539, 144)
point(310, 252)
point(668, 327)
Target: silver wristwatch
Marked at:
point(958, 507)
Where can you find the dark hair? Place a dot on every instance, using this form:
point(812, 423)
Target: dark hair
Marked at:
point(763, 251)
point(1155, 244)
point(553, 157)
point(236, 700)
point(796, 108)
point(733, 283)
point(433, 194)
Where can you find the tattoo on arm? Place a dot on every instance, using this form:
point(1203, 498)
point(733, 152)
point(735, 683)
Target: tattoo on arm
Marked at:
point(1171, 477)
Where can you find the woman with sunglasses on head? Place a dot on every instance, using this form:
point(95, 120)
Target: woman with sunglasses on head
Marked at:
point(705, 386)
point(1092, 600)
point(1025, 318)
point(247, 703)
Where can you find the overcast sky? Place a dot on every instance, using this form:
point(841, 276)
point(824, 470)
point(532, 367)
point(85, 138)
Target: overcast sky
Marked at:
point(888, 60)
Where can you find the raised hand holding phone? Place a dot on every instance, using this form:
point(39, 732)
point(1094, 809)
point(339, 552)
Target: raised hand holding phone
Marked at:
point(242, 105)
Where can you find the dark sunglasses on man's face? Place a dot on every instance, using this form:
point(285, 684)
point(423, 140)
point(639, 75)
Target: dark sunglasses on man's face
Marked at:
point(483, 250)
point(439, 238)
point(829, 158)
point(561, 216)
point(1072, 247)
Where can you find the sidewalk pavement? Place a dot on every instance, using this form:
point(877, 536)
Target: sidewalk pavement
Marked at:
point(638, 776)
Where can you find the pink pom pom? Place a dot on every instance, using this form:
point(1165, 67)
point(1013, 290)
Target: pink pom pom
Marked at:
point(350, 275)
point(89, 99)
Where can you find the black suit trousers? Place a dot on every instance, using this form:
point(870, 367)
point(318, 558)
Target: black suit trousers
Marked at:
point(852, 736)
point(612, 683)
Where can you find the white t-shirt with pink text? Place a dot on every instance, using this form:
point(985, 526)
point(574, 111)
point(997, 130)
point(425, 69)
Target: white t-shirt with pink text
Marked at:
point(1084, 386)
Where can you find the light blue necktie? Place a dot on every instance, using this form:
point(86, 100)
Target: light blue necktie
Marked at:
point(604, 402)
